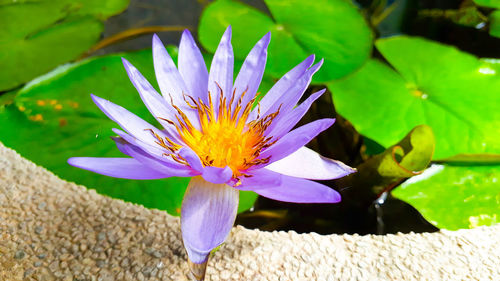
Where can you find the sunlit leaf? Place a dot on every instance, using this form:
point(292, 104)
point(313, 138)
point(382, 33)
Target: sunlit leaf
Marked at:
point(454, 197)
point(333, 30)
point(453, 92)
point(495, 23)
point(36, 36)
point(53, 118)
point(488, 3)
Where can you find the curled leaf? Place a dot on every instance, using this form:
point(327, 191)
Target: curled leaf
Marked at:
point(384, 171)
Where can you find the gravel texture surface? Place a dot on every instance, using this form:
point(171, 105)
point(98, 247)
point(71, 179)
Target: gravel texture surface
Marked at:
point(54, 230)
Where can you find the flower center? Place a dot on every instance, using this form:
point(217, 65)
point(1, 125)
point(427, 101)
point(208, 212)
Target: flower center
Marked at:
point(225, 138)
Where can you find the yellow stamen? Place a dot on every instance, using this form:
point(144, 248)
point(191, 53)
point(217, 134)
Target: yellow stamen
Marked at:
point(226, 140)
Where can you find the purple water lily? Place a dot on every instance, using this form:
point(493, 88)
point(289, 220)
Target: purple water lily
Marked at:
point(214, 134)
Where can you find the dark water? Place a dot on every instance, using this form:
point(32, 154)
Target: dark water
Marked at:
point(391, 217)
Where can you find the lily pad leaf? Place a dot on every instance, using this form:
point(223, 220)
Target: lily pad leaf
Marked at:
point(495, 23)
point(382, 172)
point(53, 118)
point(331, 29)
point(36, 36)
point(455, 197)
point(488, 3)
point(453, 92)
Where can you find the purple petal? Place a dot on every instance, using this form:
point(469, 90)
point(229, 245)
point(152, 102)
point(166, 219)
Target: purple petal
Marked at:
point(283, 123)
point(221, 70)
point(281, 87)
point(125, 168)
point(152, 150)
point(290, 189)
point(121, 144)
point(153, 101)
point(165, 167)
point(192, 68)
point(207, 216)
point(217, 175)
point(290, 98)
point(192, 158)
point(128, 121)
point(306, 163)
point(251, 72)
point(296, 139)
point(163, 164)
point(169, 79)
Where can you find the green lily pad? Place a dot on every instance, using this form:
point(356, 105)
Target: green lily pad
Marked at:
point(407, 158)
point(454, 197)
point(488, 3)
point(453, 92)
point(333, 30)
point(37, 36)
point(53, 118)
point(495, 23)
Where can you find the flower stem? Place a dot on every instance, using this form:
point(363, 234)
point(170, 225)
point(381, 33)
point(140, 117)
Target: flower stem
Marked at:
point(197, 270)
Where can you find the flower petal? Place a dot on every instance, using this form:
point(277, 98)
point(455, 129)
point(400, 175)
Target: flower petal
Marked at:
point(192, 68)
point(283, 123)
point(221, 70)
point(290, 98)
point(169, 79)
point(125, 168)
point(217, 175)
point(306, 163)
point(163, 164)
point(251, 72)
point(296, 139)
point(130, 122)
point(207, 216)
point(158, 106)
point(289, 189)
point(152, 150)
point(192, 158)
point(281, 87)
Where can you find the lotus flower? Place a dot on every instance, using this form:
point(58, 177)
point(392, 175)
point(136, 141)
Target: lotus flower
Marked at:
point(213, 132)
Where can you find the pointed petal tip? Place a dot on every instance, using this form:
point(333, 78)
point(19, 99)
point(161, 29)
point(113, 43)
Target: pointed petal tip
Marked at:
point(227, 34)
point(267, 37)
point(329, 122)
point(320, 92)
point(265, 40)
point(186, 35)
point(157, 43)
point(316, 66)
point(126, 64)
point(98, 100)
point(117, 131)
point(95, 98)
